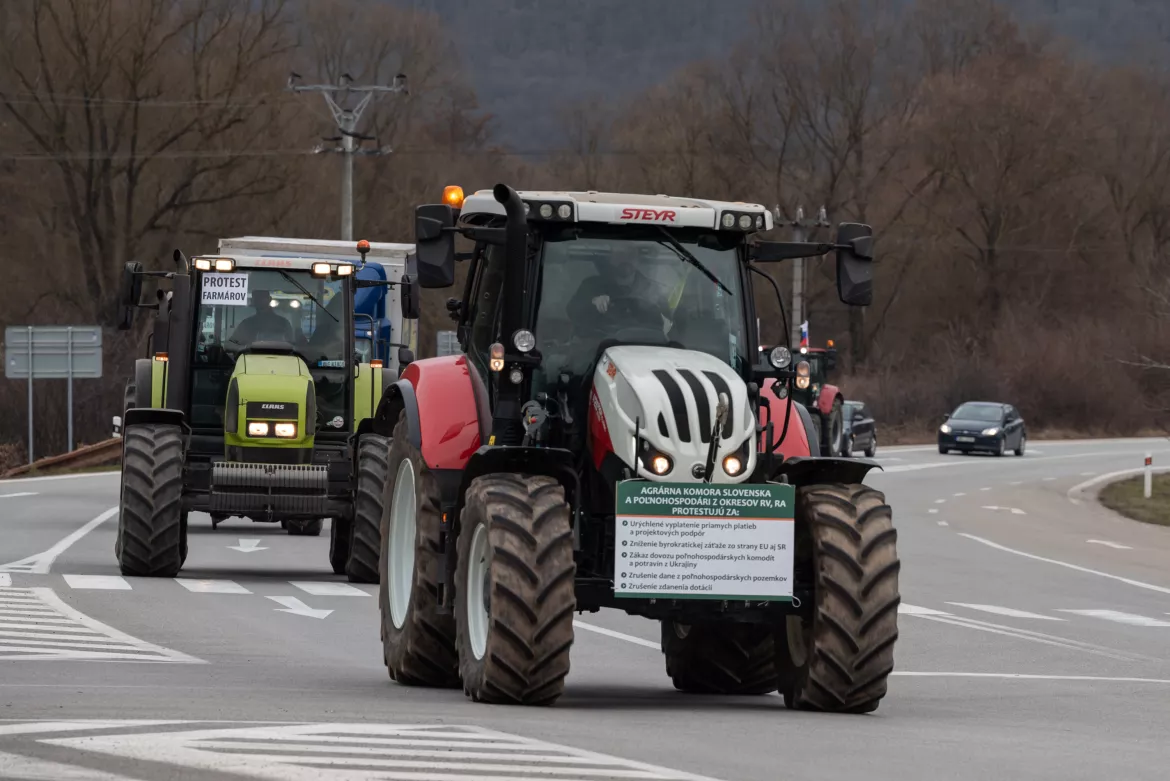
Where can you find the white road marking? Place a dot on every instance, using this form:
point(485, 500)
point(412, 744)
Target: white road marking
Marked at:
point(1014, 510)
point(34, 769)
point(618, 635)
point(940, 501)
point(246, 546)
point(81, 476)
point(98, 582)
point(1116, 545)
point(212, 586)
point(943, 523)
point(960, 494)
point(1030, 677)
point(1131, 619)
point(14, 496)
point(915, 610)
point(1034, 637)
point(78, 725)
point(5, 579)
point(423, 752)
point(985, 488)
point(1127, 581)
point(932, 510)
point(77, 638)
point(1049, 479)
point(39, 564)
point(1006, 611)
point(298, 608)
point(1079, 488)
point(320, 589)
point(1016, 482)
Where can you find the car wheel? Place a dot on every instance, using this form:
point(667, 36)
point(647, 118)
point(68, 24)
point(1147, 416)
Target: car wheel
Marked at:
point(943, 450)
point(1023, 442)
point(1001, 446)
point(871, 451)
point(847, 446)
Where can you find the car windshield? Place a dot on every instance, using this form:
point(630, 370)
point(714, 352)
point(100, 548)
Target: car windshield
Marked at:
point(253, 305)
point(626, 285)
point(988, 412)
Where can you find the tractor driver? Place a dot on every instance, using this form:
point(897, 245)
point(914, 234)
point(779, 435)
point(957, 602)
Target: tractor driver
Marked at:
point(264, 326)
point(620, 295)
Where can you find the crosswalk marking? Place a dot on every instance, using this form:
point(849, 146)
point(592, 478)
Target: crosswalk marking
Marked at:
point(1005, 611)
point(100, 582)
point(5, 580)
point(37, 625)
point(212, 586)
point(1122, 618)
point(333, 752)
point(326, 589)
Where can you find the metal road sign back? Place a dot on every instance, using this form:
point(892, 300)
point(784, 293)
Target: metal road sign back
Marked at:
point(54, 349)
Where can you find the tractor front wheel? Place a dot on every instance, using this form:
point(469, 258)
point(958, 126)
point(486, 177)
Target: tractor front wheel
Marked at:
point(515, 590)
point(837, 657)
point(833, 430)
point(365, 542)
point(418, 642)
point(152, 527)
point(720, 658)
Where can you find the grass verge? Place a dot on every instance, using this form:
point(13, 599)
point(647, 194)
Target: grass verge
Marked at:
point(1128, 498)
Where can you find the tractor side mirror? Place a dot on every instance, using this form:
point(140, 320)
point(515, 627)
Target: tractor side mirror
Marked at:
point(435, 244)
point(855, 264)
point(830, 360)
point(411, 293)
point(129, 295)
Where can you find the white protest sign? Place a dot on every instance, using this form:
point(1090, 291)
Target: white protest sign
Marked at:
point(229, 289)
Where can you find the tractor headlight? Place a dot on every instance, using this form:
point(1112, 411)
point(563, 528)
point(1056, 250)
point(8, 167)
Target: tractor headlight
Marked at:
point(990, 432)
point(732, 465)
point(286, 430)
point(660, 465)
point(780, 357)
point(524, 340)
point(257, 429)
point(802, 375)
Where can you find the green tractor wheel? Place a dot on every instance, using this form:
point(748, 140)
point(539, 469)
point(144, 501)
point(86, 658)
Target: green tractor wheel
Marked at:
point(365, 536)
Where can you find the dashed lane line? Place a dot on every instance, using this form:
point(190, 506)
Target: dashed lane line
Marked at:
point(18, 495)
point(1121, 618)
point(98, 582)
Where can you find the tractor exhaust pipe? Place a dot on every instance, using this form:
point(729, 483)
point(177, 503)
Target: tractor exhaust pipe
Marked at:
point(516, 252)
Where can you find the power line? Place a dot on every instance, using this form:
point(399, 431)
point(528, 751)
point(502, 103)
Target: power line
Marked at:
point(347, 120)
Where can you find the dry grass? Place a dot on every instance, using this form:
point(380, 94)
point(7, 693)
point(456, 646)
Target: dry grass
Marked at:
point(1128, 498)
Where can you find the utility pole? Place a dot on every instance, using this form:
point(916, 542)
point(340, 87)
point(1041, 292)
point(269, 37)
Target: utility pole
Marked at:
point(347, 121)
point(800, 233)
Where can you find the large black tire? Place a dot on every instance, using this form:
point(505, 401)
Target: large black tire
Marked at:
point(365, 534)
point(528, 589)
point(340, 533)
point(833, 430)
point(838, 659)
point(720, 658)
point(152, 529)
point(421, 651)
point(310, 528)
point(130, 397)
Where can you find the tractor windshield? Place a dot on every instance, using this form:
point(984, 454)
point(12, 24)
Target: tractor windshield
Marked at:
point(626, 285)
point(254, 305)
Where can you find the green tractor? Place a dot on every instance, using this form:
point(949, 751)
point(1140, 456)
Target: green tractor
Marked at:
point(251, 403)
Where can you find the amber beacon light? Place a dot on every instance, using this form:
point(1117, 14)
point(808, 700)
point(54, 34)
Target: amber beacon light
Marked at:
point(453, 196)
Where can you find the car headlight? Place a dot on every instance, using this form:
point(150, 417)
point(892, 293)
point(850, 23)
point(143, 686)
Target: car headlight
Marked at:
point(944, 428)
point(990, 432)
point(287, 430)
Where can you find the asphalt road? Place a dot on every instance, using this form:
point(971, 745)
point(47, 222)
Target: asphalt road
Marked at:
point(1035, 644)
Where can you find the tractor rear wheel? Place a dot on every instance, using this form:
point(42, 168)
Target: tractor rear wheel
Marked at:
point(838, 657)
point(720, 658)
point(309, 528)
point(418, 642)
point(152, 527)
point(340, 532)
point(514, 590)
point(130, 398)
point(365, 534)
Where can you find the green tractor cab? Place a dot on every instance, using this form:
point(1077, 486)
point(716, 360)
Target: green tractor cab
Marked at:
point(252, 403)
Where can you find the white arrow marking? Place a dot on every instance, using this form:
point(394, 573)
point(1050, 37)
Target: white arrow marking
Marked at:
point(1116, 545)
point(298, 608)
point(246, 546)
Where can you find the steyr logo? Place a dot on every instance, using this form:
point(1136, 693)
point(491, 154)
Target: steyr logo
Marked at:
point(649, 215)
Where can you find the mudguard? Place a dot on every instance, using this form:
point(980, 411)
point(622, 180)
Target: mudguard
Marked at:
point(441, 410)
point(552, 461)
point(368, 388)
point(828, 394)
point(153, 415)
point(143, 382)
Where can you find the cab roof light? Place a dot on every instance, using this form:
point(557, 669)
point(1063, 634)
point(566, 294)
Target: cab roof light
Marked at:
point(344, 269)
point(453, 196)
point(544, 210)
point(225, 265)
point(202, 264)
point(321, 269)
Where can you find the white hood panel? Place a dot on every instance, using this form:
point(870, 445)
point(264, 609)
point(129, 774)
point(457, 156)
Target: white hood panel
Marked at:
point(672, 395)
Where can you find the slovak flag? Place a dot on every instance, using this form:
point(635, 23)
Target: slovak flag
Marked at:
point(804, 334)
